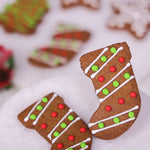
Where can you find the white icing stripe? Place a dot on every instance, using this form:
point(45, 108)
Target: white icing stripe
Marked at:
point(88, 68)
point(84, 148)
point(128, 64)
point(102, 99)
point(50, 101)
point(49, 135)
point(114, 125)
point(54, 140)
point(94, 74)
point(87, 140)
point(120, 114)
point(28, 116)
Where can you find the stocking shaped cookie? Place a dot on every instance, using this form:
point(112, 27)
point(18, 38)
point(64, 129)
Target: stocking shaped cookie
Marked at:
point(23, 15)
point(132, 16)
point(6, 67)
point(111, 72)
point(57, 123)
point(66, 43)
point(93, 4)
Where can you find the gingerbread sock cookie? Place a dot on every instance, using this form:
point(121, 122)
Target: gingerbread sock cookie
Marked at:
point(6, 67)
point(66, 43)
point(57, 123)
point(93, 4)
point(132, 16)
point(111, 72)
point(23, 16)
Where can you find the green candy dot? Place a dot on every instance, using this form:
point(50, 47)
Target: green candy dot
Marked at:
point(63, 125)
point(113, 50)
point(101, 125)
point(45, 99)
point(103, 58)
point(70, 117)
point(56, 61)
point(39, 107)
point(131, 114)
point(45, 57)
point(94, 68)
point(83, 145)
point(116, 120)
point(69, 149)
point(127, 75)
point(115, 83)
point(105, 91)
point(56, 133)
point(32, 117)
point(34, 53)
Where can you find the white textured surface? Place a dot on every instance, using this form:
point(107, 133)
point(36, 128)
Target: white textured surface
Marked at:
point(14, 136)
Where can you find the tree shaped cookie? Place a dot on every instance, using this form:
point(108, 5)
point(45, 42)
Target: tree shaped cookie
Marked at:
point(6, 67)
point(57, 123)
point(66, 43)
point(23, 16)
point(111, 72)
point(93, 4)
point(132, 16)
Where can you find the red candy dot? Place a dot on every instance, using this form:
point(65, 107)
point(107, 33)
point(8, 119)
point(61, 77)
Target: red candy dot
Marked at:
point(61, 106)
point(82, 129)
point(101, 79)
point(112, 68)
point(60, 145)
point(54, 114)
point(68, 35)
point(78, 34)
point(121, 59)
point(71, 138)
point(43, 126)
point(133, 94)
point(108, 108)
point(121, 101)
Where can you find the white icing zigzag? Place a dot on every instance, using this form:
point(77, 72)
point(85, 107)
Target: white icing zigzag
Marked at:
point(136, 13)
point(87, 140)
point(49, 102)
point(117, 115)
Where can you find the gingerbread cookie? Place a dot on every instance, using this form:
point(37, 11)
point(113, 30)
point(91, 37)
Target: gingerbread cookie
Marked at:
point(57, 123)
point(6, 67)
point(92, 4)
point(23, 16)
point(132, 16)
point(66, 43)
point(111, 72)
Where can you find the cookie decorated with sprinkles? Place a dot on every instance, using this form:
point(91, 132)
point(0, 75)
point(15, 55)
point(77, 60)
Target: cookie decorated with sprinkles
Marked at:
point(57, 123)
point(92, 4)
point(23, 16)
point(132, 16)
point(6, 67)
point(113, 78)
point(66, 43)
